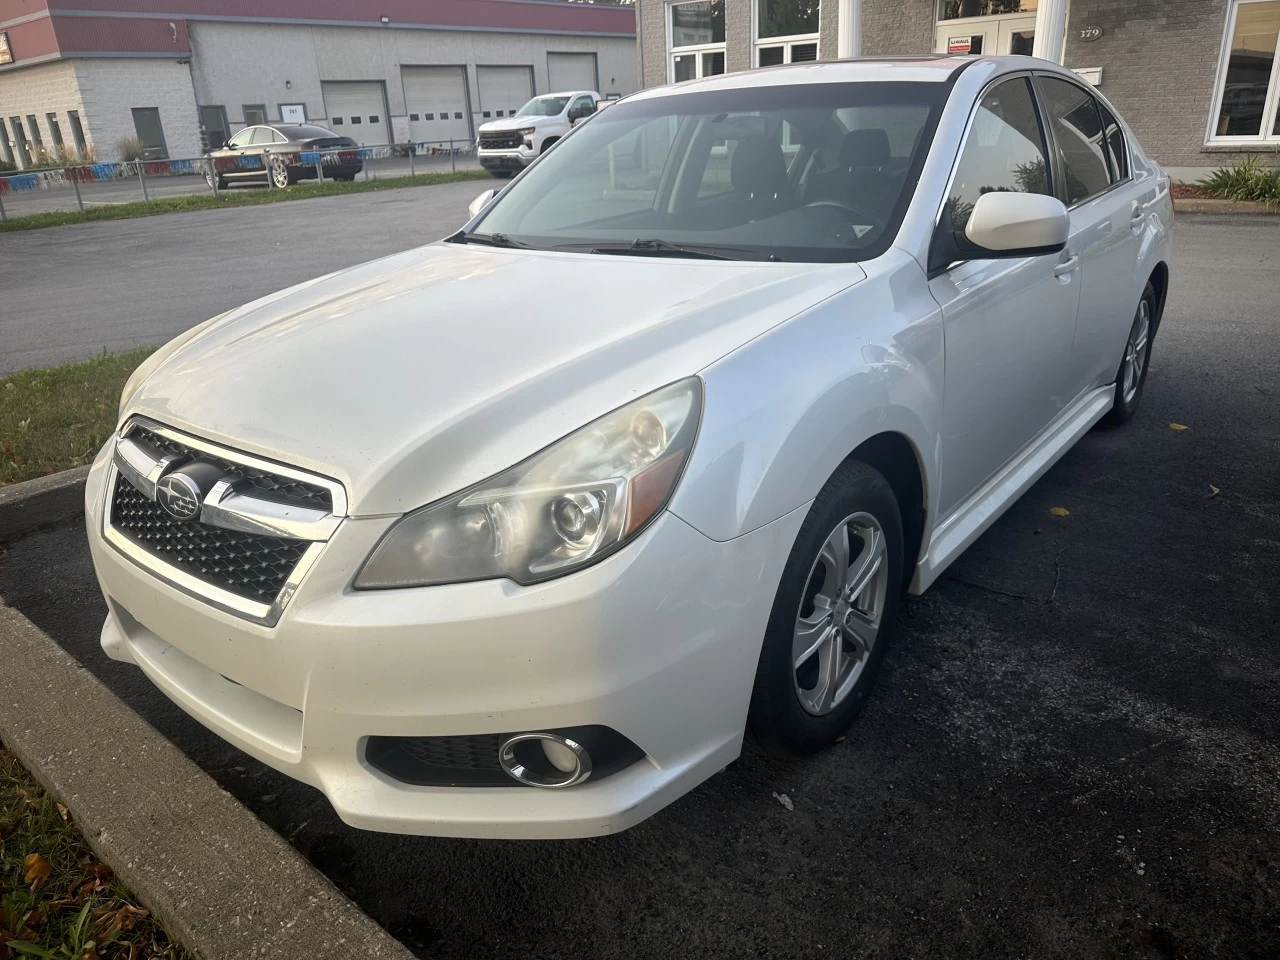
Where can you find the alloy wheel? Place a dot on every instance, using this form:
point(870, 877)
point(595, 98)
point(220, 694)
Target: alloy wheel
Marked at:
point(279, 173)
point(840, 613)
point(1135, 351)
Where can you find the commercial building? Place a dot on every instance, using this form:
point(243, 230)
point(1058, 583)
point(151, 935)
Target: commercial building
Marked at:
point(1197, 79)
point(182, 74)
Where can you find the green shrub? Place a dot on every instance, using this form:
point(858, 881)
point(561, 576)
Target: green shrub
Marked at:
point(1247, 180)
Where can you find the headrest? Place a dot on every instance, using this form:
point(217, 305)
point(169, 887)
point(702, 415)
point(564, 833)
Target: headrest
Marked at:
point(865, 148)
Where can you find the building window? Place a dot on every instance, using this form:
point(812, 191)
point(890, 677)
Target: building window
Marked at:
point(55, 129)
point(786, 31)
point(957, 9)
point(77, 131)
point(254, 114)
point(6, 151)
point(35, 131)
point(1247, 92)
point(696, 40)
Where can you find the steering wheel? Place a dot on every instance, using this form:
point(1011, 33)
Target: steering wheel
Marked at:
point(855, 212)
point(856, 217)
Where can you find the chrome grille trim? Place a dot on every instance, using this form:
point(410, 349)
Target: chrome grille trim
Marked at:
point(228, 507)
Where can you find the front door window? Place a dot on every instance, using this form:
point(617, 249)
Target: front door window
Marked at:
point(986, 27)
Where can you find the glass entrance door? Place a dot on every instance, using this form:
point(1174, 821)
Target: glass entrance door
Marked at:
point(987, 36)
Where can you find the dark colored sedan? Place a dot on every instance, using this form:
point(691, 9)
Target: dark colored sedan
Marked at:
point(275, 151)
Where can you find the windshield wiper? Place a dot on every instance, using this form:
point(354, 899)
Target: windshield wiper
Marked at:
point(662, 248)
point(493, 239)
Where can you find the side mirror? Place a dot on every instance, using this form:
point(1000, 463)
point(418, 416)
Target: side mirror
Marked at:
point(479, 203)
point(1004, 225)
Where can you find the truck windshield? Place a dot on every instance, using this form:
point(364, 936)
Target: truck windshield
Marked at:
point(543, 107)
point(802, 172)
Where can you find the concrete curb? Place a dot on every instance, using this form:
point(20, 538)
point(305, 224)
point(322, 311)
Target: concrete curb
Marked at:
point(224, 884)
point(26, 507)
point(1222, 206)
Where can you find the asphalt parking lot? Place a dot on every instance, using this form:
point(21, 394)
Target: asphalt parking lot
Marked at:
point(73, 291)
point(1074, 750)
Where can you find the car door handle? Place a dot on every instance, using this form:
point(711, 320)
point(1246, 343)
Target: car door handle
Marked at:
point(1066, 266)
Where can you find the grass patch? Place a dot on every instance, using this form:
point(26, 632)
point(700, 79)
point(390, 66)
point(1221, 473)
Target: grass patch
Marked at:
point(232, 198)
point(58, 418)
point(57, 900)
point(1246, 180)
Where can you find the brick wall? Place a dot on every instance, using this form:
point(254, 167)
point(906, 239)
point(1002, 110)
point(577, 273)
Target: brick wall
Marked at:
point(38, 91)
point(1159, 62)
point(898, 28)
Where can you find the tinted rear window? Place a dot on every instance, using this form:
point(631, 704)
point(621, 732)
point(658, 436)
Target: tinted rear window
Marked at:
point(305, 131)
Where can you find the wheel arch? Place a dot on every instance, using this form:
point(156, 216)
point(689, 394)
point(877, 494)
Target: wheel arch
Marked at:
point(899, 461)
point(1159, 280)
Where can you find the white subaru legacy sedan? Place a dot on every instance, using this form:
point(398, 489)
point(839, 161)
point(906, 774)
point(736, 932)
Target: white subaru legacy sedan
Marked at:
point(517, 534)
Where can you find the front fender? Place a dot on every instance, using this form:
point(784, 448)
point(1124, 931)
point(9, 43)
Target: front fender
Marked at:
point(782, 412)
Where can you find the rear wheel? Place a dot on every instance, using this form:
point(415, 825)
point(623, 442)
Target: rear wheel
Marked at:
point(501, 174)
point(836, 603)
point(278, 170)
point(1132, 375)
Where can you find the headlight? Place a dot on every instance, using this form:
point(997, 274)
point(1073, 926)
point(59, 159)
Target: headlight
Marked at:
point(147, 366)
point(564, 508)
point(527, 131)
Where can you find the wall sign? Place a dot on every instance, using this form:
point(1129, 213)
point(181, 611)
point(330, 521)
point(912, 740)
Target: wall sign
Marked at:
point(1089, 34)
point(959, 44)
point(293, 113)
point(6, 56)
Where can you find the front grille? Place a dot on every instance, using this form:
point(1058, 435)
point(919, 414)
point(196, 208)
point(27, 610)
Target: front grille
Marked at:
point(267, 485)
point(247, 565)
point(503, 140)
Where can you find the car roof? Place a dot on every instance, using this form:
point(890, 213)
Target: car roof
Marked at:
point(567, 93)
point(937, 68)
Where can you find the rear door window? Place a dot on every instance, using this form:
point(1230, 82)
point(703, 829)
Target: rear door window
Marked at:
point(1077, 127)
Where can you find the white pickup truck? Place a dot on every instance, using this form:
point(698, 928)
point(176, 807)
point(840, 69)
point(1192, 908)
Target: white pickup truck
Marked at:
point(507, 146)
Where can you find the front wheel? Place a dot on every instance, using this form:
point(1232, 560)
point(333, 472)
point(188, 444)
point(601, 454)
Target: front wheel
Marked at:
point(835, 606)
point(1132, 375)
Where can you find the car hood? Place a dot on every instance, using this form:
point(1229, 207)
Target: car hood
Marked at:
point(417, 375)
point(512, 123)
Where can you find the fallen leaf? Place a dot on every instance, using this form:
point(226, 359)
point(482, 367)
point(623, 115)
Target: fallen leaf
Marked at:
point(1060, 511)
point(1213, 491)
point(841, 739)
point(23, 424)
point(63, 812)
point(37, 869)
point(783, 799)
point(1178, 426)
point(10, 385)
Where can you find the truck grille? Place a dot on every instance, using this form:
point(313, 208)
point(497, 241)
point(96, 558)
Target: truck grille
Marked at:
point(247, 565)
point(502, 140)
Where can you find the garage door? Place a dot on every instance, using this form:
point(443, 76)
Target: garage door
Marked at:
point(357, 110)
point(436, 98)
point(503, 90)
point(571, 71)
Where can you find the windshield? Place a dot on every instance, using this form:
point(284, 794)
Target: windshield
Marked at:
point(543, 107)
point(809, 172)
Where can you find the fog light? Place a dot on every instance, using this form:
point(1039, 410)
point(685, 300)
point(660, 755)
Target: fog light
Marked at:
point(544, 760)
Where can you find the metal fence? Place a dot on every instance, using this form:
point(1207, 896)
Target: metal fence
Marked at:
point(78, 186)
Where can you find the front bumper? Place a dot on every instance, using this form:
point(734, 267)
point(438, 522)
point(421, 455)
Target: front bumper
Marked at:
point(658, 642)
point(505, 159)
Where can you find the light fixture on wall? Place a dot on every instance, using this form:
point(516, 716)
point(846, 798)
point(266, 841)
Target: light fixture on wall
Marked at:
point(385, 19)
point(288, 84)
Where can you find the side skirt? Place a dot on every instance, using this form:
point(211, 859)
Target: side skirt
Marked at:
point(971, 519)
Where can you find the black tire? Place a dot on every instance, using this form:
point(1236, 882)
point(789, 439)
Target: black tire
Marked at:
point(209, 177)
point(777, 718)
point(500, 174)
point(1126, 402)
point(348, 177)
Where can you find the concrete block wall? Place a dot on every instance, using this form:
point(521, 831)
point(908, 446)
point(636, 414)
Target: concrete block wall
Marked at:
point(37, 91)
point(111, 88)
point(238, 63)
